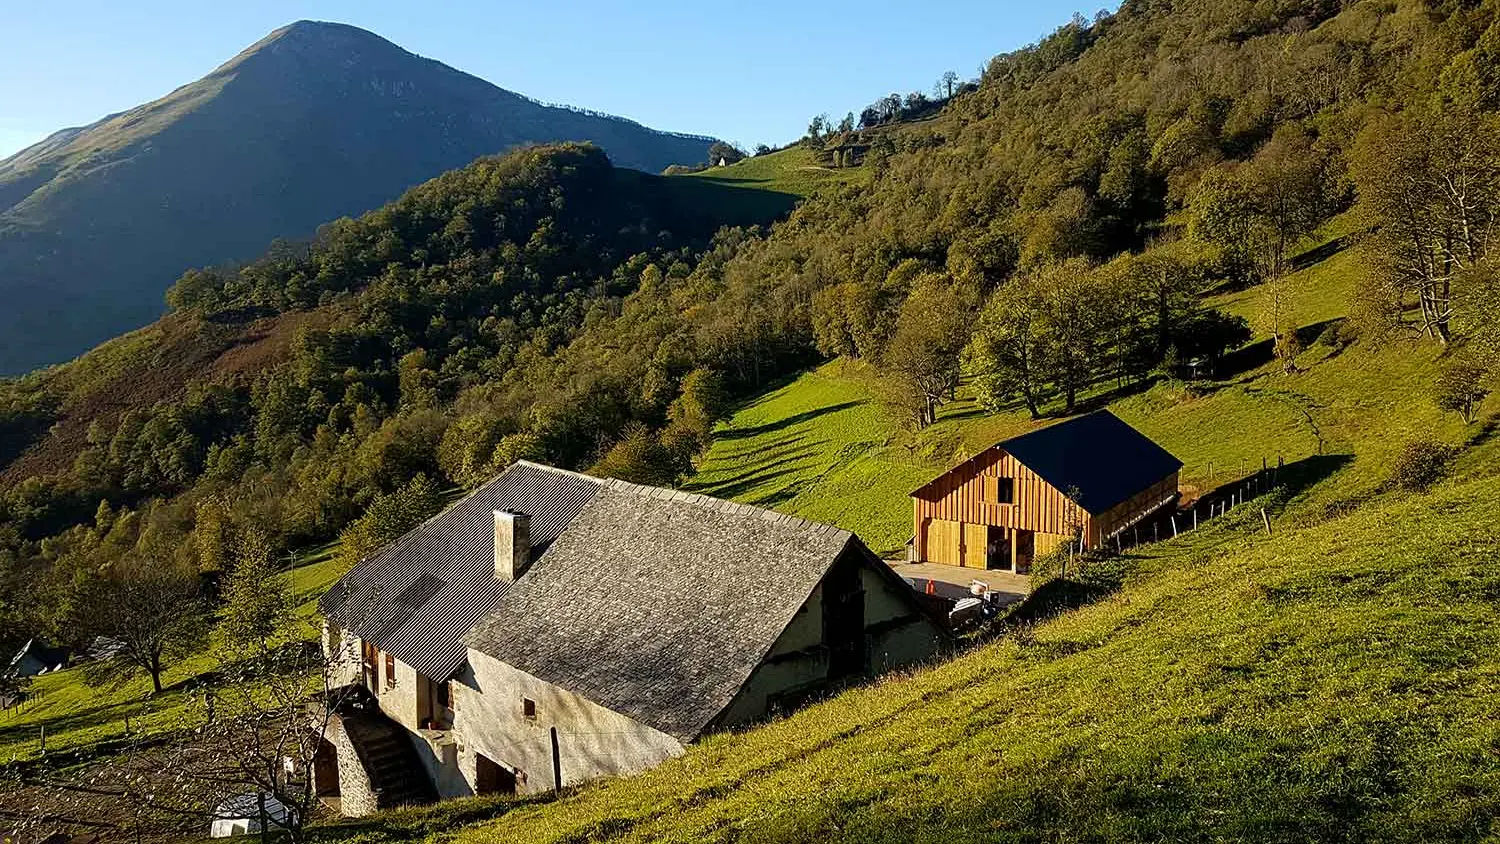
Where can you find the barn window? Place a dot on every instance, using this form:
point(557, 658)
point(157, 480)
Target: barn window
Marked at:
point(528, 708)
point(998, 490)
point(390, 671)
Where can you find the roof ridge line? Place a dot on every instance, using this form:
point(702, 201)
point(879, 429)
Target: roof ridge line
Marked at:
point(553, 469)
point(724, 505)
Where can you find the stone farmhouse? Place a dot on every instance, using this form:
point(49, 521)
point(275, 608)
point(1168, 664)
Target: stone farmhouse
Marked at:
point(553, 627)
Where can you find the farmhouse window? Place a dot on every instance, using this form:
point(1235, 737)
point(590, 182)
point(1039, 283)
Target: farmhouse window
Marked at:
point(390, 671)
point(528, 708)
point(998, 490)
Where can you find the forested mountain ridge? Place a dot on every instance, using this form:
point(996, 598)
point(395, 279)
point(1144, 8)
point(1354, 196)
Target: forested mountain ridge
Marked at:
point(1066, 228)
point(435, 328)
point(315, 121)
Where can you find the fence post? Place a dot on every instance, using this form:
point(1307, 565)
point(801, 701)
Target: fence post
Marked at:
point(1266, 519)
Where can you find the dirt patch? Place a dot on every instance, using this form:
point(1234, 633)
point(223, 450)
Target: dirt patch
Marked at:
point(151, 366)
point(267, 342)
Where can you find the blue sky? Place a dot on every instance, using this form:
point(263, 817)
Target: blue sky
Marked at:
point(748, 72)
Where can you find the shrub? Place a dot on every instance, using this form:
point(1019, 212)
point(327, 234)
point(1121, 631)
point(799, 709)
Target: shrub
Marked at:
point(1338, 335)
point(1421, 464)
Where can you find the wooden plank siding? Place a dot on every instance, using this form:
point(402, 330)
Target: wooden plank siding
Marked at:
point(1136, 507)
point(958, 496)
point(952, 505)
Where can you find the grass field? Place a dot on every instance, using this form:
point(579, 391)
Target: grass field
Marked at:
point(794, 171)
point(77, 715)
point(822, 446)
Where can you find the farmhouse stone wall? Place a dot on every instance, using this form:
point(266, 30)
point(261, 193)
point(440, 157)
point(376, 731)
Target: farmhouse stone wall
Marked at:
point(593, 741)
point(356, 793)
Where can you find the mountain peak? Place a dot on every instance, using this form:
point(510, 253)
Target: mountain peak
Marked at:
point(310, 37)
point(315, 121)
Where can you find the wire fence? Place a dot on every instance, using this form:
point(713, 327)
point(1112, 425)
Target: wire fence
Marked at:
point(1171, 522)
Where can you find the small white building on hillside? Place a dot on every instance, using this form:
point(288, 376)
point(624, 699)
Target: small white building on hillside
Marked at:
point(554, 627)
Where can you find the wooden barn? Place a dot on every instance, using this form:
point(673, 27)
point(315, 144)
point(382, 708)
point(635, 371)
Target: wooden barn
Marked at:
point(1090, 477)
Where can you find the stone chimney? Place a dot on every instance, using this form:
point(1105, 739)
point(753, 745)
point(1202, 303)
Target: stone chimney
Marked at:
point(512, 544)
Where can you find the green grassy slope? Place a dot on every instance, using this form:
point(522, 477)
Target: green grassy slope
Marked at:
point(793, 171)
point(77, 715)
point(823, 448)
point(1338, 681)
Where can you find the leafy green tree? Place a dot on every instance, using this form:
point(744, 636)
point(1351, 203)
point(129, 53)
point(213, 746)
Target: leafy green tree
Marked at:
point(389, 517)
point(522, 446)
point(213, 535)
point(467, 448)
point(639, 457)
point(257, 607)
point(1006, 354)
point(1074, 316)
point(923, 354)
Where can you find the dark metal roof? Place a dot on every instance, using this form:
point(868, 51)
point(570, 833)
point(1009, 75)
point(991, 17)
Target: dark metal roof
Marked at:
point(1097, 455)
point(659, 604)
point(418, 596)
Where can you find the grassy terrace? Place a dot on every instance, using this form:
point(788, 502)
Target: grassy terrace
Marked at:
point(794, 171)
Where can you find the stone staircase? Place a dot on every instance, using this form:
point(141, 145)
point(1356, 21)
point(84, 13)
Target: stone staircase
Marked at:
point(388, 757)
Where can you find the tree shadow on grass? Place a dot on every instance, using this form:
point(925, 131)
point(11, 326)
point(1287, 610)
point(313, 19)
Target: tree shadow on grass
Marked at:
point(783, 424)
point(1253, 356)
point(739, 486)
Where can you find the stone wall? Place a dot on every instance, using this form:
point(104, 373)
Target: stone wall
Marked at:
point(356, 794)
point(593, 741)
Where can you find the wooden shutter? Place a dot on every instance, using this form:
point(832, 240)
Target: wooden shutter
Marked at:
point(390, 671)
point(990, 489)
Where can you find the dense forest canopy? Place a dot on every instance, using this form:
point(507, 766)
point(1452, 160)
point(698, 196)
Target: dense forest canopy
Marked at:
point(1054, 226)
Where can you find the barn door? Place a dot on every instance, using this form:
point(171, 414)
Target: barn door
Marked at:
point(945, 542)
point(976, 546)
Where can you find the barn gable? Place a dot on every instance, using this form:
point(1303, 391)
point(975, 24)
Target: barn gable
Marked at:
point(1086, 478)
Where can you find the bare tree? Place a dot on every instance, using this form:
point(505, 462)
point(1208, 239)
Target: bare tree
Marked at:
point(151, 608)
point(1431, 184)
point(947, 82)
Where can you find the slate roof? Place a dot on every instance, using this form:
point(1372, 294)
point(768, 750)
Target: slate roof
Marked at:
point(659, 604)
point(418, 596)
point(1098, 454)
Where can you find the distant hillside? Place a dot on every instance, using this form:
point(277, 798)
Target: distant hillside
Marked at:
point(313, 122)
